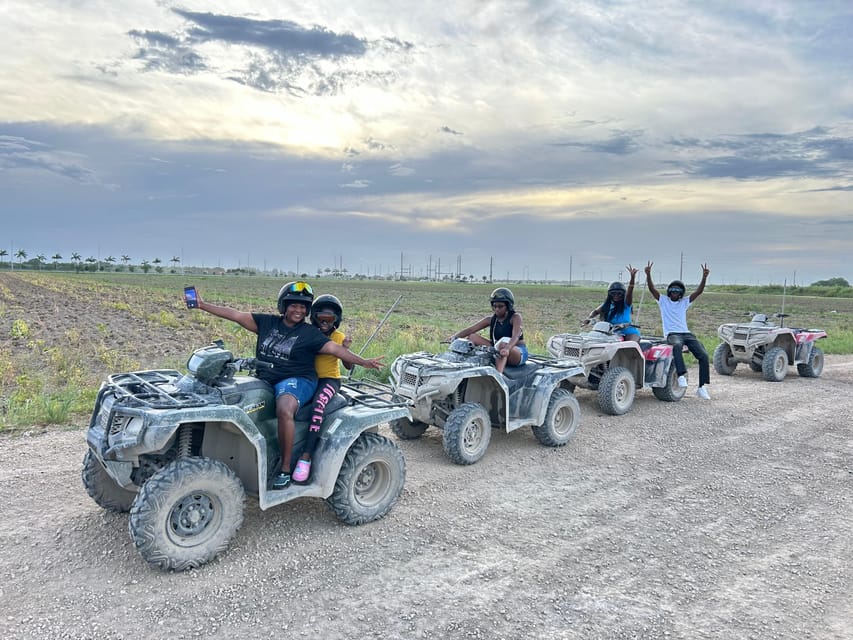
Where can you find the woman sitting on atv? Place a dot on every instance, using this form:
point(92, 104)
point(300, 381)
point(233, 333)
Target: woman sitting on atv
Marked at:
point(616, 308)
point(505, 331)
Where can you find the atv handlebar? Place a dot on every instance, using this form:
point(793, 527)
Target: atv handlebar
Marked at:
point(251, 364)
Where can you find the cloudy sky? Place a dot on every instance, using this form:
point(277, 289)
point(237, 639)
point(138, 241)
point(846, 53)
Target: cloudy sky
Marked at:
point(538, 137)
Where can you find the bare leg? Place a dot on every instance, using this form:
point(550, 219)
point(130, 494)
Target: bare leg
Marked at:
point(285, 407)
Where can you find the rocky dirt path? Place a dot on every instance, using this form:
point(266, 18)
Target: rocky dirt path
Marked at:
point(722, 519)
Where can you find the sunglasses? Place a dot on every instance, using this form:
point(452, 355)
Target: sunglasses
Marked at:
point(674, 290)
point(299, 287)
point(326, 317)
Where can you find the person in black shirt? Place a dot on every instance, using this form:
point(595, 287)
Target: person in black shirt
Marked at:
point(505, 331)
point(290, 344)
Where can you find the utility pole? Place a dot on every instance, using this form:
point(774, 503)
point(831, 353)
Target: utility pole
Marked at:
point(491, 266)
point(681, 268)
point(570, 270)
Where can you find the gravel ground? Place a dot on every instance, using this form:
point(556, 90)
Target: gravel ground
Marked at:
point(722, 519)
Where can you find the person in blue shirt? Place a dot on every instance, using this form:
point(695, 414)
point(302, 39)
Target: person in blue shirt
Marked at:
point(617, 306)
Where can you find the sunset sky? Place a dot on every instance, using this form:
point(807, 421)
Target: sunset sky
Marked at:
point(534, 136)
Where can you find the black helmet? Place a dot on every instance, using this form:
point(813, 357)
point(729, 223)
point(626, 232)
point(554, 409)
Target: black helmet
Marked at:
point(676, 286)
point(295, 292)
point(502, 294)
point(616, 287)
point(327, 302)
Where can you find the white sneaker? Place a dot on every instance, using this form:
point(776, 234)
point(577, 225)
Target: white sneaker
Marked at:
point(682, 381)
point(702, 392)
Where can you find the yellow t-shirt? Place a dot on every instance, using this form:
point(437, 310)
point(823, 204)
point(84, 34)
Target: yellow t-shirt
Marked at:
point(329, 366)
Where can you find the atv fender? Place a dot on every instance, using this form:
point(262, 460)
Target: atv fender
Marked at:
point(338, 436)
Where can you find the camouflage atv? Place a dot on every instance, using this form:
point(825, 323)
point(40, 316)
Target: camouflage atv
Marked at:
point(180, 452)
point(616, 368)
point(462, 393)
point(768, 348)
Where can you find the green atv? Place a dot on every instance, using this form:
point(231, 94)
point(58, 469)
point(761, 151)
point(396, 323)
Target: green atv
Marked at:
point(181, 451)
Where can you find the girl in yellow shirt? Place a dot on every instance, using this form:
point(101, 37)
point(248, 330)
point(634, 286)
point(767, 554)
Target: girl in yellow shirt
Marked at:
point(326, 314)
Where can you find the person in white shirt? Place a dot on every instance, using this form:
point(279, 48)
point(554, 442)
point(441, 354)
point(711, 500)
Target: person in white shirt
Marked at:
point(673, 314)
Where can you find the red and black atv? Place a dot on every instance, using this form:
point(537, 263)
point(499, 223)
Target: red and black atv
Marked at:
point(768, 348)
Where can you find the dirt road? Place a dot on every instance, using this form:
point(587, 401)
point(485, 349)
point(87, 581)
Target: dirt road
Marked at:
point(722, 519)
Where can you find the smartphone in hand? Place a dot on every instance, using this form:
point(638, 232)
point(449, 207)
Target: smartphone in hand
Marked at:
point(191, 297)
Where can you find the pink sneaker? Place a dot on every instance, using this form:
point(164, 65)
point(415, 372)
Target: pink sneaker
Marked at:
point(302, 471)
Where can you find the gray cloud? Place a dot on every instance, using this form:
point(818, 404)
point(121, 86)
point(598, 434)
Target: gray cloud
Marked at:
point(22, 153)
point(816, 152)
point(620, 143)
point(281, 55)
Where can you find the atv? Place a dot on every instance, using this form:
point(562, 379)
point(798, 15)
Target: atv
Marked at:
point(768, 348)
point(616, 368)
point(461, 393)
point(180, 452)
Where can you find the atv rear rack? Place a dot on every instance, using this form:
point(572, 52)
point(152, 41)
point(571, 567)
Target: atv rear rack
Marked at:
point(370, 393)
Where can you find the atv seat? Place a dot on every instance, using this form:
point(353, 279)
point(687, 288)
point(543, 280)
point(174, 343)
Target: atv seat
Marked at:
point(515, 376)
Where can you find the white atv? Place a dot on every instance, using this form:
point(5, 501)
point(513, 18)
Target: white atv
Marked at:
point(616, 368)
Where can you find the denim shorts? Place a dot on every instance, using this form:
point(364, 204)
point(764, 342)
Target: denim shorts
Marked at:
point(300, 388)
point(520, 347)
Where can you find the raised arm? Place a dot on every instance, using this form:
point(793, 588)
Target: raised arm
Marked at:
point(701, 287)
point(243, 318)
point(629, 296)
point(649, 283)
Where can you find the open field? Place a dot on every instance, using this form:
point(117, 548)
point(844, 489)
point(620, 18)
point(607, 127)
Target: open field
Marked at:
point(61, 333)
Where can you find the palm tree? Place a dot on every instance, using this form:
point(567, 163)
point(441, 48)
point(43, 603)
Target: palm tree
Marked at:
point(146, 266)
point(157, 262)
point(3, 254)
point(109, 259)
point(41, 259)
point(175, 260)
point(56, 258)
point(91, 260)
point(75, 258)
point(20, 254)
point(125, 259)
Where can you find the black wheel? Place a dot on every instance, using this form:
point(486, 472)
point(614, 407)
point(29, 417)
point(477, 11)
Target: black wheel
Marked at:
point(561, 419)
point(370, 480)
point(814, 367)
point(755, 366)
point(406, 429)
point(775, 364)
point(102, 488)
point(724, 361)
point(467, 433)
point(187, 513)
point(616, 391)
point(671, 392)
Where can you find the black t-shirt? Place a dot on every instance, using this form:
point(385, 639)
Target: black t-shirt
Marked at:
point(498, 329)
point(291, 349)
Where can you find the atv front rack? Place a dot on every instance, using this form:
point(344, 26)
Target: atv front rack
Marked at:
point(151, 389)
